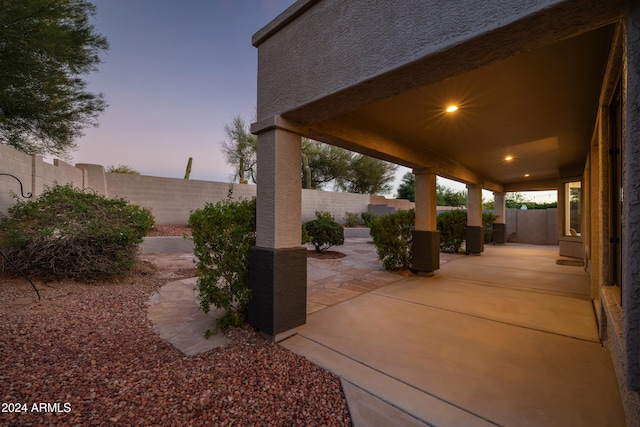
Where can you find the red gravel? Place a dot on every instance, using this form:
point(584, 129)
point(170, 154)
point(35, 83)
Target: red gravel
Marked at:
point(170, 230)
point(91, 350)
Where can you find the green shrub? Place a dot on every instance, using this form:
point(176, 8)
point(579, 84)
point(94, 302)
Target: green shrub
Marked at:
point(368, 217)
point(488, 219)
point(324, 231)
point(453, 227)
point(72, 234)
point(392, 236)
point(305, 235)
point(352, 219)
point(222, 235)
point(324, 215)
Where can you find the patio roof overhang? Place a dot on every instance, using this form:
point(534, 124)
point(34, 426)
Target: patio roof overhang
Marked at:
point(529, 90)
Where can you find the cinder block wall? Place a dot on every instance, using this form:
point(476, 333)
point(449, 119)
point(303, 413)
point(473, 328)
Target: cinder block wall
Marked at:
point(34, 173)
point(172, 199)
point(533, 226)
point(336, 203)
point(18, 164)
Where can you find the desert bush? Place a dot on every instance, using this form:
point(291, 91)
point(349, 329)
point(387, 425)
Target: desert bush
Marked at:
point(305, 235)
point(488, 219)
point(368, 217)
point(352, 219)
point(324, 231)
point(222, 234)
point(69, 233)
point(392, 235)
point(453, 227)
point(324, 215)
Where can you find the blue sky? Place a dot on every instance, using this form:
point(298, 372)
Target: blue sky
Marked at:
point(175, 74)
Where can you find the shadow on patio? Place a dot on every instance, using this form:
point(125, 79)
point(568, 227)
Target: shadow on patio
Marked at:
point(506, 338)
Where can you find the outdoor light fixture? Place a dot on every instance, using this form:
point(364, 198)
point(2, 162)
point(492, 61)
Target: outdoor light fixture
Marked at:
point(451, 108)
point(508, 158)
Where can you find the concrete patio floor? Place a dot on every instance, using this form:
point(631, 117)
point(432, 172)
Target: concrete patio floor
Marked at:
point(507, 338)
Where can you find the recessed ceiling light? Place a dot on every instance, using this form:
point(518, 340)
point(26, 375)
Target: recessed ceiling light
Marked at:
point(508, 158)
point(526, 175)
point(452, 108)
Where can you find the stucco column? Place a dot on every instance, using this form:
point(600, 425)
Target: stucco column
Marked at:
point(500, 223)
point(475, 233)
point(631, 200)
point(426, 237)
point(278, 262)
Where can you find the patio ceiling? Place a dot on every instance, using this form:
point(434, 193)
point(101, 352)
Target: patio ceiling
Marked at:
point(538, 107)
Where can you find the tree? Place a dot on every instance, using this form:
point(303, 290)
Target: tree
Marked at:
point(240, 149)
point(407, 188)
point(449, 197)
point(445, 195)
point(122, 169)
point(45, 48)
point(367, 175)
point(327, 164)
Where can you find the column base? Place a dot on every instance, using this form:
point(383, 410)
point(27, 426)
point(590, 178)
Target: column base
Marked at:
point(278, 281)
point(475, 239)
point(425, 251)
point(499, 233)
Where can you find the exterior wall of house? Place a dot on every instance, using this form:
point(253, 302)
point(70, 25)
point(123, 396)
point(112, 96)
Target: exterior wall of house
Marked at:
point(434, 41)
point(618, 307)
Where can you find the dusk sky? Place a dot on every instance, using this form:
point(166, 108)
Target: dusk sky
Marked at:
point(175, 74)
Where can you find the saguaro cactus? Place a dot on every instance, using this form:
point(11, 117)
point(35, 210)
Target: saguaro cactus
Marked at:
point(188, 171)
point(306, 172)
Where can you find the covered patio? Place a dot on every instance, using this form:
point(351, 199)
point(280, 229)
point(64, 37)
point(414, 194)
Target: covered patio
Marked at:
point(508, 338)
point(501, 96)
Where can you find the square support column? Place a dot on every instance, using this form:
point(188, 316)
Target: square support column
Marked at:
point(426, 238)
point(475, 232)
point(278, 262)
point(500, 224)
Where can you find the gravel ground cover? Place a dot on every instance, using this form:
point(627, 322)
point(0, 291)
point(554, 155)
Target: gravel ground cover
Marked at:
point(87, 355)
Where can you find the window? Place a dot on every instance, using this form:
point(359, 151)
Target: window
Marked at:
point(572, 202)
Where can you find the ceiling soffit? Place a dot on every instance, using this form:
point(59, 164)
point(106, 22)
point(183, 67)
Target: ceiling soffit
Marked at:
point(538, 107)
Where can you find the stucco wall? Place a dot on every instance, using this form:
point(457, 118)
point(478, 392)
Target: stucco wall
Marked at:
point(330, 33)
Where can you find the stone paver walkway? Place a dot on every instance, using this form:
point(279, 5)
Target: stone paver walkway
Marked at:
point(331, 281)
point(175, 312)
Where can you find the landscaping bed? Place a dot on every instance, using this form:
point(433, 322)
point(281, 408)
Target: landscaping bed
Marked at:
point(89, 352)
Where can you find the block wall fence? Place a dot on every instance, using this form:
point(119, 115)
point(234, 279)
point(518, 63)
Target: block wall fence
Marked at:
point(172, 199)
